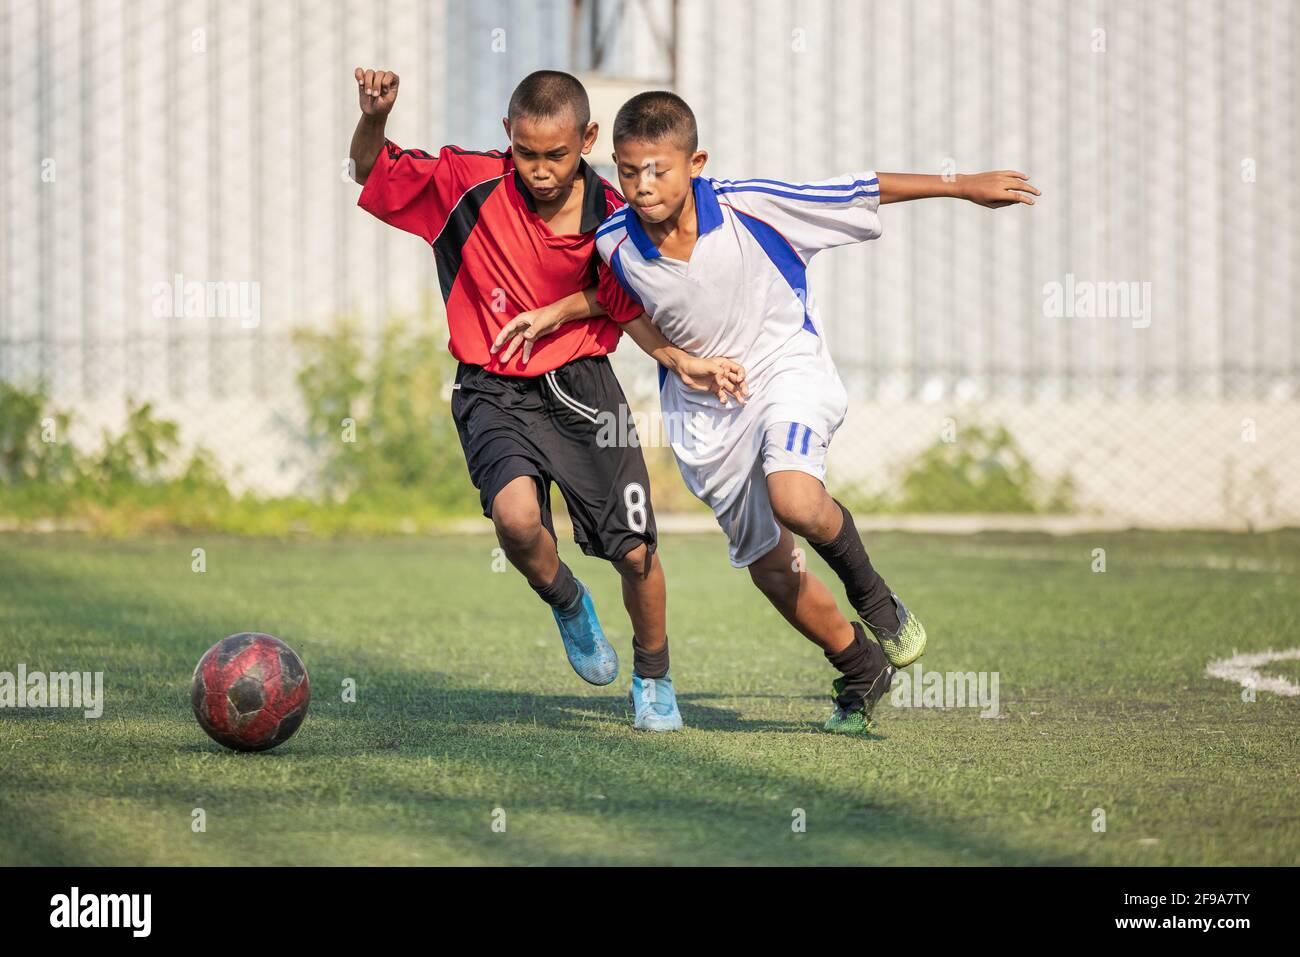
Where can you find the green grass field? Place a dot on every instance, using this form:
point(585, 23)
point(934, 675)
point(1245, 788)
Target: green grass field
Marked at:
point(466, 704)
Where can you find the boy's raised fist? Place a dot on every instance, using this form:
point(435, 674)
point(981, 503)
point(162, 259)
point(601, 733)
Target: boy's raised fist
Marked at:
point(377, 90)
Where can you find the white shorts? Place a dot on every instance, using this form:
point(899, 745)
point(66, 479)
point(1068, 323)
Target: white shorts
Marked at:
point(726, 453)
point(747, 520)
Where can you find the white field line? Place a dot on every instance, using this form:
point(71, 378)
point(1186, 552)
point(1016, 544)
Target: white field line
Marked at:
point(1244, 670)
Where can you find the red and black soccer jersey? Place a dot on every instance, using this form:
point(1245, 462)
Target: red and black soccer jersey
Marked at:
point(495, 256)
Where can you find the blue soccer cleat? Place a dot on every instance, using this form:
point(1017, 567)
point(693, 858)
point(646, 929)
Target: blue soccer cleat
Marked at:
point(655, 702)
point(590, 653)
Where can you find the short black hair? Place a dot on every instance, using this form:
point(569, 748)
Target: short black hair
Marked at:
point(546, 94)
point(657, 115)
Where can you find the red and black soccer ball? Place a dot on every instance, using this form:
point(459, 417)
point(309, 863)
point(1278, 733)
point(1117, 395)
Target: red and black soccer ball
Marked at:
point(250, 692)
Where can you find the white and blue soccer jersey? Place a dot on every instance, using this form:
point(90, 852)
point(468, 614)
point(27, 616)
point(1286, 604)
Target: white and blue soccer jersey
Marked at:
point(744, 295)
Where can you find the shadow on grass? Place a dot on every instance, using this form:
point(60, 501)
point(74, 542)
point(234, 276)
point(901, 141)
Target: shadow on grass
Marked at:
point(425, 752)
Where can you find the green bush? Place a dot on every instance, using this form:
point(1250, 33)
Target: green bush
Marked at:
point(381, 424)
point(982, 470)
point(133, 479)
point(30, 450)
point(377, 417)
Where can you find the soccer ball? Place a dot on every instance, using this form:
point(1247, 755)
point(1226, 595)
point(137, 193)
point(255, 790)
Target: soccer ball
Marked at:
point(250, 692)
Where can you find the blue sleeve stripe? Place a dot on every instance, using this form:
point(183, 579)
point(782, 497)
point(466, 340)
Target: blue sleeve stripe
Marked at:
point(783, 257)
point(807, 434)
point(616, 264)
point(806, 197)
point(841, 187)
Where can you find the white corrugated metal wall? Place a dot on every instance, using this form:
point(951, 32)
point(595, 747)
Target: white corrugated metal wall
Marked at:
point(146, 138)
point(1139, 149)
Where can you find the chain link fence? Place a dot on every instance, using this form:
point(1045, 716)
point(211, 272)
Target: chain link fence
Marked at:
point(177, 203)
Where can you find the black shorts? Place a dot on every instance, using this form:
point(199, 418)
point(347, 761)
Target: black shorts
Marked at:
point(547, 427)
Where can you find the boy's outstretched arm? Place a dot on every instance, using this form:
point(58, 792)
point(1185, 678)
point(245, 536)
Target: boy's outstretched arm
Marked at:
point(377, 90)
point(1001, 188)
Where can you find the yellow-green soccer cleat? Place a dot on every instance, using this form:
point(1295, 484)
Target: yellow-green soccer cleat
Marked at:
point(904, 646)
point(848, 722)
point(856, 717)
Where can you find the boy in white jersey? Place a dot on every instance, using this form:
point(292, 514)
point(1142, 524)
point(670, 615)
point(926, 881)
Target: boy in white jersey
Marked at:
point(720, 267)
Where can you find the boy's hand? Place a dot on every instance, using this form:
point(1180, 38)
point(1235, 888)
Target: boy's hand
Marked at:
point(993, 190)
point(724, 378)
point(377, 89)
point(525, 329)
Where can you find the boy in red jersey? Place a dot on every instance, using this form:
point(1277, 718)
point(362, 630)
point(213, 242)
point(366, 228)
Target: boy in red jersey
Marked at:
point(513, 236)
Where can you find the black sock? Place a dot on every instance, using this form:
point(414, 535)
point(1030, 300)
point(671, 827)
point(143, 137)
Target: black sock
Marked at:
point(860, 664)
point(649, 664)
point(867, 591)
point(562, 592)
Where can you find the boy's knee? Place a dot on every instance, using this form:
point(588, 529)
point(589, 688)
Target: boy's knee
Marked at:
point(637, 563)
point(797, 513)
point(815, 517)
point(774, 580)
point(518, 525)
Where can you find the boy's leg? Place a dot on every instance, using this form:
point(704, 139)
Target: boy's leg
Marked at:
point(526, 535)
point(652, 695)
point(645, 598)
point(794, 459)
point(800, 597)
point(808, 605)
point(503, 427)
point(603, 477)
point(802, 504)
point(529, 545)
point(759, 543)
